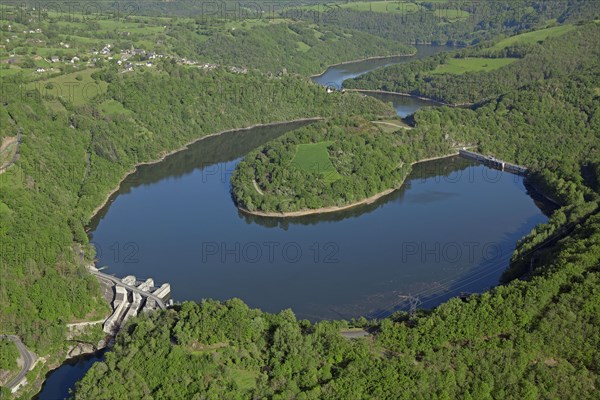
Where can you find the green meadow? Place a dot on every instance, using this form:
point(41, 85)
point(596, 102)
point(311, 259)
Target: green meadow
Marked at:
point(463, 65)
point(113, 107)
point(314, 157)
point(77, 88)
point(533, 36)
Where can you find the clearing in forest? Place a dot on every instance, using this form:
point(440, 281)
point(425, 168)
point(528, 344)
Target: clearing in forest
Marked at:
point(533, 36)
point(314, 157)
point(462, 65)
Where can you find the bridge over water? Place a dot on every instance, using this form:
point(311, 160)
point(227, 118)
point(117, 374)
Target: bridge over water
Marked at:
point(494, 162)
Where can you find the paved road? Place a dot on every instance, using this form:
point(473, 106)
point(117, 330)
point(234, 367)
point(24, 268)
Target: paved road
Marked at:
point(28, 358)
point(118, 281)
point(78, 324)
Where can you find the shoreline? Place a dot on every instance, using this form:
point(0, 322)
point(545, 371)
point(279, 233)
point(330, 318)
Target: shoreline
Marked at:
point(363, 59)
point(331, 209)
point(411, 95)
point(184, 147)
point(535, 187)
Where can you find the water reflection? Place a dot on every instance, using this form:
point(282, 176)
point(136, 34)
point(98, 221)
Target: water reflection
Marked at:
point(343, 264)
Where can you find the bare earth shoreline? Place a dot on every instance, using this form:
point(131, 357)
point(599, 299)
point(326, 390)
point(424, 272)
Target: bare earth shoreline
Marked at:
point(330, 209)
point(185, 146)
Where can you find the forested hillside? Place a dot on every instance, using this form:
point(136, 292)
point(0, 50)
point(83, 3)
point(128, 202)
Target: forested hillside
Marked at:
point(556, 57)
point(296, 47)
point(267, 42)
point(450, 22)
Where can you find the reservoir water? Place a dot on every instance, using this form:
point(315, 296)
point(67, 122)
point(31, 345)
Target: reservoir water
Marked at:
point(404, 105)
point(450, 229)
point(335, 75)
point(61, 381)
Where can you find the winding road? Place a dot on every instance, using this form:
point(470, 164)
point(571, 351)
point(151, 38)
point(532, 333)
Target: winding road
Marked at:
point(28, 361)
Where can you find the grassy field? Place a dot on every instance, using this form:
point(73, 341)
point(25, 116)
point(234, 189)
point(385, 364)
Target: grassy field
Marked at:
point(315, 157)
point(12, 71)
point(246, 380)
point(534, 36)
point(77, 87)
point(396, 7)
point(303, 47)
point(463, 65)
point(113, 107)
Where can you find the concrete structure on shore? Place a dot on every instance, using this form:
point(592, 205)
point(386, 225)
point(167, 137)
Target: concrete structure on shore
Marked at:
point(494, 162)
point(131, 297)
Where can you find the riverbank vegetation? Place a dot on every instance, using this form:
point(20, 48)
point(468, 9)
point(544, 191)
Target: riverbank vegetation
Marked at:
point(448, 22)
point(329, 164)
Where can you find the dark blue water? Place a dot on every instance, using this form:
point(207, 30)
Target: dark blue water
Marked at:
point(404, 105)
point(60, 382)
point(334, 76)
point(452, 227)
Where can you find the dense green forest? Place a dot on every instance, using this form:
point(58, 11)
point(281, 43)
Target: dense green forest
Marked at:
point(8, 355)
point(452, 22)
point(555, 57)
point(296, 47)
point(360, 160)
